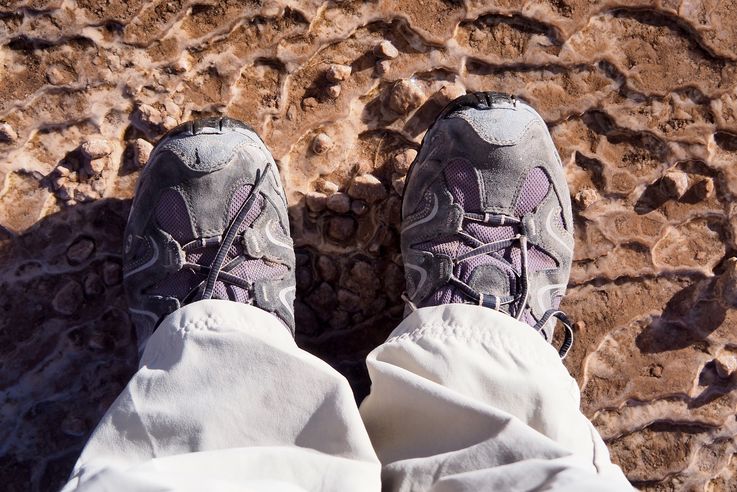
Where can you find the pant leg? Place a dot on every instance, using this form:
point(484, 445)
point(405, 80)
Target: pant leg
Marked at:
point(224, 399)
point(467, 398)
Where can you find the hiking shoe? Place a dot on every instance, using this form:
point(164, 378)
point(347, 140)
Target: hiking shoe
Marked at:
point(486, 216)
point(208, 221)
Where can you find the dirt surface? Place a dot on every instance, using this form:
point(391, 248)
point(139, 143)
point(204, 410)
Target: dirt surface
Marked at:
point(641, 101)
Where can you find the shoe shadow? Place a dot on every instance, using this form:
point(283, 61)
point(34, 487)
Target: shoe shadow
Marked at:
point(66, 342)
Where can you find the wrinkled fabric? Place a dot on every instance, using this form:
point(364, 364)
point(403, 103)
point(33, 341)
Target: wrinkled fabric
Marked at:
point(463, 398)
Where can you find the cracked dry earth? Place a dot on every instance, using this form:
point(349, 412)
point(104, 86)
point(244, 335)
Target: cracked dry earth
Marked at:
point(641, 99)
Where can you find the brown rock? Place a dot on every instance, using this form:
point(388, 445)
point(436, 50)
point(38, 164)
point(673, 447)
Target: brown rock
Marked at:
point(726, 364)
point(348, 300)
point(141, 152)
point(316, 201)
point(405, 96)
point(327, 269)
point(382, 67)
point(449, 92)
point(309, 103)
point(333, 91)
point(323, 297)
point(69, 298)
point(111, 273)
point(403, 160)
point(585, 198)
point(327, 187)
point(93, 285)
point(96, 148)
point(149, 114)
point(338, 73)
point(321, 143)
point(703, 188)
point(675, 183)
point(339, 202)
point(367, 187)
point(386, 50)
point(80, 250)
point(341, 228)
point(97, 166)
point(363, 277)
point(83, 192)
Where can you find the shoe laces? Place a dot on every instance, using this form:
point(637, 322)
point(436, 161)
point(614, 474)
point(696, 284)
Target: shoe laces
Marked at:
point(219, 269)
point(516, 304)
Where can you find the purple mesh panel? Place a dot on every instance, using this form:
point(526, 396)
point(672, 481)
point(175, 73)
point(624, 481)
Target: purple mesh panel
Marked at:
point(173, 217)
point(488, 234)
point(439, 246)
point(252, 270)
point(239, 295)
point(235, 251)
point(176, 285)
point(538, 259)
point(202, 256)
point(463, 184)
point(534, 189)
point(219, 292)
point(236, 202)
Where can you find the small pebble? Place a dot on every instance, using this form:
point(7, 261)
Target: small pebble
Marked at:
point(96, 148)
point(405, 96)
point(327, 269)
point(341, 228)
point(93, 285)
point(80, 250)
point(316, 201)
point(333, 91)
point(339, 202)
point(367, 187)
point(585, 198)
point(449, 92)
point(725, 364)
point(321, 143)
point(69, 298)
point(111, 273)
point(386, 50)
point(675, 183)
point(328, 187)
point(149, 114)
point(338, 73)
point(403, 160)
point(382, 67)
point(348, 300)
point(309, 103)
point(703, 188)
point(141, 152)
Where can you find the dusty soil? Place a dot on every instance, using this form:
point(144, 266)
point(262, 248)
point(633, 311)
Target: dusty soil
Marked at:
point(641, 100)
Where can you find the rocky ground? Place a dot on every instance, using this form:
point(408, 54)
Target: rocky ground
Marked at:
point(641, 98)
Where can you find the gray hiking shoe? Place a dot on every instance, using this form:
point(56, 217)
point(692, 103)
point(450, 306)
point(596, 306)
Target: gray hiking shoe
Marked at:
point(209, 220)
point(486, 217)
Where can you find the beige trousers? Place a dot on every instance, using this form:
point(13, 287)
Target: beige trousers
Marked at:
point(463, 398)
